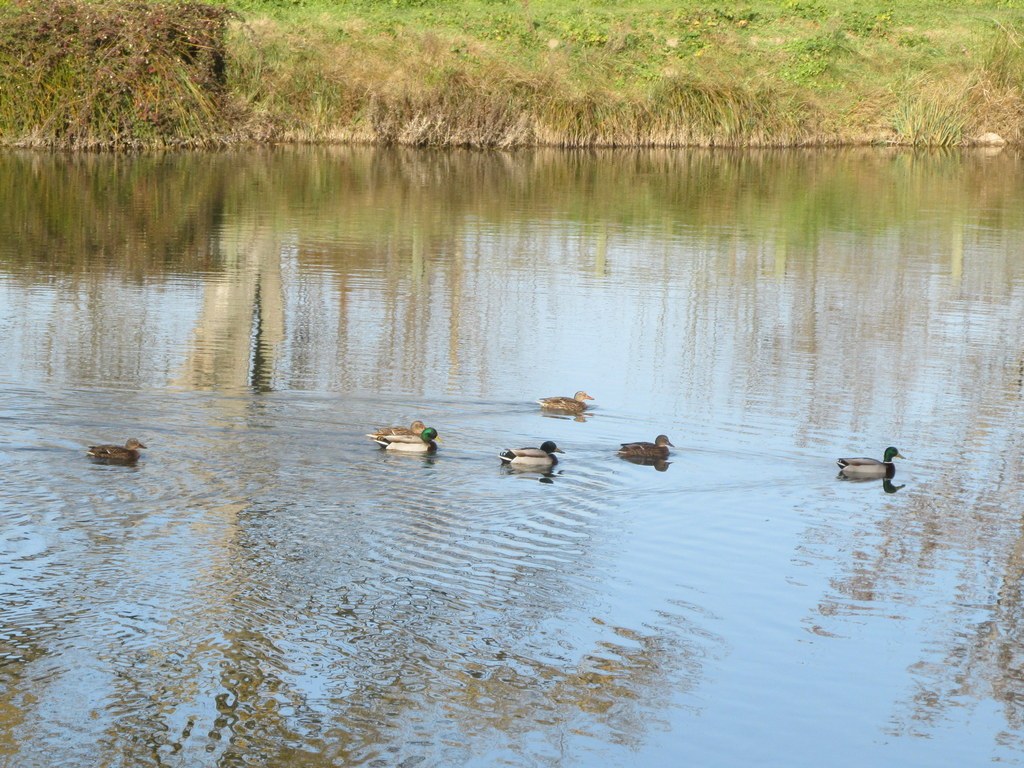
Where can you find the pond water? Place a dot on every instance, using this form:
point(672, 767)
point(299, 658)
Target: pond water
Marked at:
point(267, 587)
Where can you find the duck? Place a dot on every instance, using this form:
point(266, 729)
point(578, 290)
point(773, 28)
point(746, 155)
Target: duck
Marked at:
point(124, 453)
point(413, 430)
point(425, 442)
point(575, 404)
point(656, 450)
point(534, 457)
point(865, 467)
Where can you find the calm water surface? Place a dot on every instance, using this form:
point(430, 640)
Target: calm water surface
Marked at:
point(265, 587)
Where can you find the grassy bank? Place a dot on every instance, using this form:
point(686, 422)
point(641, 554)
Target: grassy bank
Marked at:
point(511, 73)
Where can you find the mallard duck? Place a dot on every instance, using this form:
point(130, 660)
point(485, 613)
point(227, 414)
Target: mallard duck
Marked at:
point(413, 430)
point(864, 467)
point(575, 404)
point(124, 453)
point(537, 457)
point(656, 450)
point(425, 442)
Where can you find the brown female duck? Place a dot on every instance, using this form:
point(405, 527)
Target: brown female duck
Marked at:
point(575, 404)
point(656, 450)
point(123, 453)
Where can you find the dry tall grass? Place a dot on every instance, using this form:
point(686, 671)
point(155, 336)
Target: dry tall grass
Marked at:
point(427, 89)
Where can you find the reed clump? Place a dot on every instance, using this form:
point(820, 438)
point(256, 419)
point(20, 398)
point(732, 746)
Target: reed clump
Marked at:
point(930, 118)
point(82, 74)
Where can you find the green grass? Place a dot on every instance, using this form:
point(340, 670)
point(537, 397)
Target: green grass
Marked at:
point(592, 72)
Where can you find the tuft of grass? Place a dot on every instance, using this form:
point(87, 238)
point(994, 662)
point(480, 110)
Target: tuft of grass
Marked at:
point(725, 112)
point(1004, 60)
point(930, 118)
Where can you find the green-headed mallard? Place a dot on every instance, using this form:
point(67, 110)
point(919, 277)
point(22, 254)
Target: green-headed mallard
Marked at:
point(413, 430)
point(123, 453)
point(656, 450)
point(864, 467)
point(535, 457)
point(425, 442)
point(575, 404)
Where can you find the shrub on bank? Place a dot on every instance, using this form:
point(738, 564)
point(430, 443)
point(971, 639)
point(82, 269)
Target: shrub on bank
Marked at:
point(114, 74)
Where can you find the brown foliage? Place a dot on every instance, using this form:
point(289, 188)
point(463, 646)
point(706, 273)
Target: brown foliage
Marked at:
point(112, 73)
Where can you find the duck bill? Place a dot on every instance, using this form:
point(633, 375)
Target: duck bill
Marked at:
point(558, 450)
